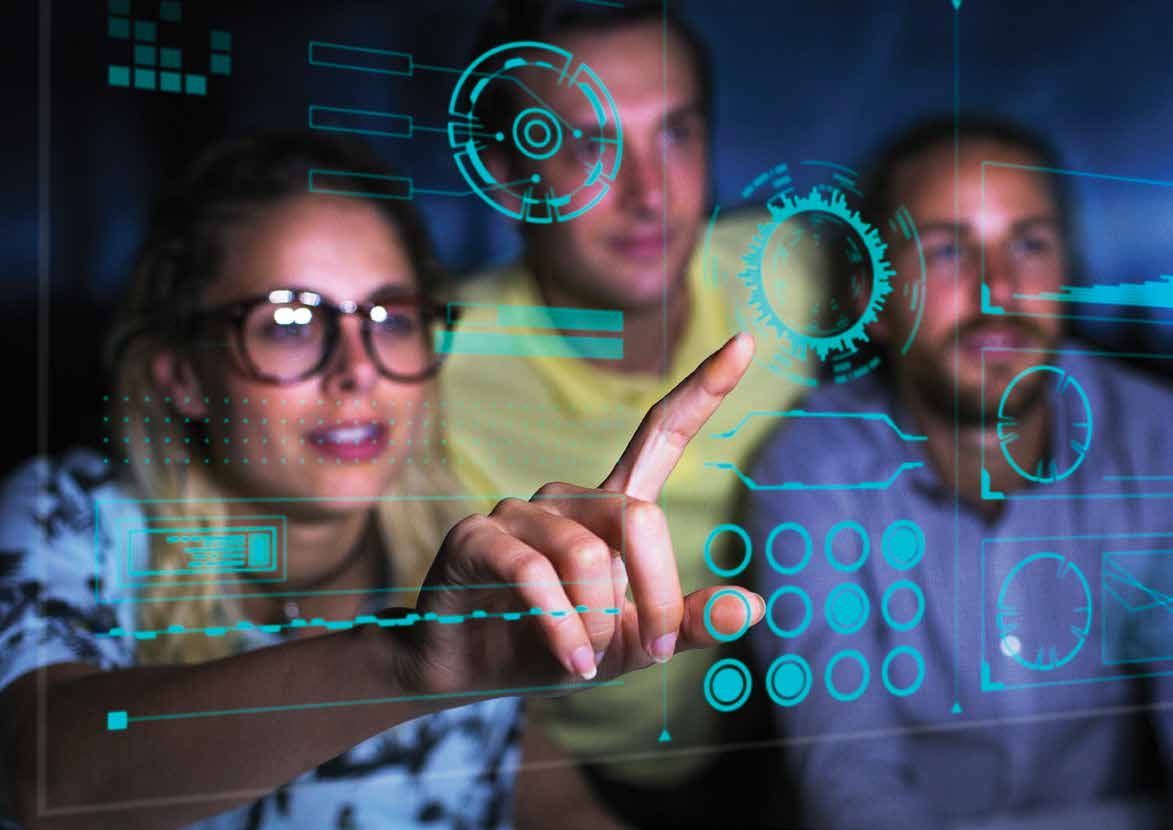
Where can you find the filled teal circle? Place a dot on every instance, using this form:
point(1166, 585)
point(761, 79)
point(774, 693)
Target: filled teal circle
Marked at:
point(903, 544)
point(548, 144)
point(727, 685)
point(728, 573)
point(789, 680)
point(829, 545)
point(855, 694)
point(920, 671)
point(727, 638)
point(847, 608)
point(906, 585)
point(806, 617)
point(808, 546)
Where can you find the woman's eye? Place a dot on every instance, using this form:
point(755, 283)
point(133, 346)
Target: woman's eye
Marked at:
point(394, 324)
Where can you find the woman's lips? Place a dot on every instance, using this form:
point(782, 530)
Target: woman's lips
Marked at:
point(350, 442)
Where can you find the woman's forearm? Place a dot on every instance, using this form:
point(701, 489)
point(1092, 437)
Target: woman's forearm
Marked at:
point(171, 772)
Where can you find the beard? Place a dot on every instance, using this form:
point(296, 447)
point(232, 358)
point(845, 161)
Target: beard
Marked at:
point(931, 375)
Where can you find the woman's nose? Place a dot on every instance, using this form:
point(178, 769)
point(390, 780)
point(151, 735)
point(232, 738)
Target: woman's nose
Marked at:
point(351, 369)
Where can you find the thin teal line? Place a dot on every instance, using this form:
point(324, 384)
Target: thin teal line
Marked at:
point(956, 355)
point(802, 413)
point(610, 3)
point(268, 499)
point(1138, 478)
point(796, 486)
point(1060, 171)
point(337, 704)
point(357, 621)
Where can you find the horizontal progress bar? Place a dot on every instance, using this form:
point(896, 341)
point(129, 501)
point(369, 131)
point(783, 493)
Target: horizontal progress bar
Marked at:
point(361, 59)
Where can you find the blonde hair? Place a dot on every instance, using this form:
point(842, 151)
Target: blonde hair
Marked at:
point(181, 256)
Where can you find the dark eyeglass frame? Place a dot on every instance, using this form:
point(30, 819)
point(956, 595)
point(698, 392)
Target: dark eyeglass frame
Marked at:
point(236, 313)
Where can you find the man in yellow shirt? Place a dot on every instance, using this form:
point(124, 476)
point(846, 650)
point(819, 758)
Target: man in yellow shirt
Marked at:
point(643, 259)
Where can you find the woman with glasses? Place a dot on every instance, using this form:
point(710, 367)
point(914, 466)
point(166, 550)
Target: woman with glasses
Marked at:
point(219, 620)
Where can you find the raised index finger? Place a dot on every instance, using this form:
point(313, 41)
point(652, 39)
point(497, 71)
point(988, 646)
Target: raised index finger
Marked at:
point(666, 430)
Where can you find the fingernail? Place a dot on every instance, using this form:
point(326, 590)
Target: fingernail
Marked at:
point(599, 655)
point(663, 647)
point(761, 603)
point(581, 660)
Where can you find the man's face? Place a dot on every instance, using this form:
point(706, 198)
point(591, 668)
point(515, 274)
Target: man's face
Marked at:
point(619, 252)
point(1017, 226)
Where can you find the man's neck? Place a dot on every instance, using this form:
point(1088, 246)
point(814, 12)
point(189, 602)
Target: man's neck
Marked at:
point(650, 334)
point(959, 466)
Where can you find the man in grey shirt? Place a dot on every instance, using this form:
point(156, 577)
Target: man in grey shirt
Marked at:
point(968, 553)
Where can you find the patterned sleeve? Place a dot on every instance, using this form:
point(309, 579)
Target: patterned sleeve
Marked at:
point(50, 570)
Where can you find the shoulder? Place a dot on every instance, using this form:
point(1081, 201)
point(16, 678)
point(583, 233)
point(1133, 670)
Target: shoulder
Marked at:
point(493, 284)
point(55, 496)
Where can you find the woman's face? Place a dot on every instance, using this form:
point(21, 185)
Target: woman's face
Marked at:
point(345, 432)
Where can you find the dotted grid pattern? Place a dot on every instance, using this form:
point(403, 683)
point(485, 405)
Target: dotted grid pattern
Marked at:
point(790, 551)
point(156, 67)
point(256, 419)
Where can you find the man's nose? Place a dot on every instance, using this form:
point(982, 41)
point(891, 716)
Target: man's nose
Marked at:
point(1000, 277)
point(641, 179)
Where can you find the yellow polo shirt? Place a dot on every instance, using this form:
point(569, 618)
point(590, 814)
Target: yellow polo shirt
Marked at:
point(515, 423)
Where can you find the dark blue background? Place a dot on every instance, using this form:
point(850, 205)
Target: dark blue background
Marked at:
point(794, 80)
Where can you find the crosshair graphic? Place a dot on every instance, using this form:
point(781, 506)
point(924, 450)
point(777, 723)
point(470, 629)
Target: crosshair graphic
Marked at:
point(1071, 407)
point(1044, 643)
point(816, 237)
point(538, 133)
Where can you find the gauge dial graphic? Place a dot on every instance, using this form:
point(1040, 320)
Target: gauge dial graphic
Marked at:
point(1044, 612)
point(1073, 411)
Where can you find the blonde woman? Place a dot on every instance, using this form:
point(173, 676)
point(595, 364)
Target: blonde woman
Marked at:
point(274, 364)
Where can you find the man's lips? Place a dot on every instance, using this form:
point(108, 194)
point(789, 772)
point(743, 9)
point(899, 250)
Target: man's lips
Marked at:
point(642, 246)
point(997, 337)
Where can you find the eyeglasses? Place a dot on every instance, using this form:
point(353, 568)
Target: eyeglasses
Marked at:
point(289, 335)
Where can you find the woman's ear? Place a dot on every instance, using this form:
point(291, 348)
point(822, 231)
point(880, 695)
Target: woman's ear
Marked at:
point(175, 377)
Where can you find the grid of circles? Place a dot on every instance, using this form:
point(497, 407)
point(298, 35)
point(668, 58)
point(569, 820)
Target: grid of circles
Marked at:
point(790, 678)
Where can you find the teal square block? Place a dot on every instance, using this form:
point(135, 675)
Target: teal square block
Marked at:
point(118, 75)
point(170, 11)
point(144, 79)
point(221, 41)
point(221, 64)
point(197, 85)
point(170, 58)
point(118, 27)
point(119, 6)
point(116, 721)
point(170, 82)
point(145, 55)
point(147, 30)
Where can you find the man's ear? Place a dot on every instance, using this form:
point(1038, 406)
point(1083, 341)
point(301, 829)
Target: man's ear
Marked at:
point(174, 375)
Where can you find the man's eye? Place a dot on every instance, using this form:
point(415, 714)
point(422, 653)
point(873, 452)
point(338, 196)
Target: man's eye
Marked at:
point(1032, 245)
point(394, 323)
point(943, 253)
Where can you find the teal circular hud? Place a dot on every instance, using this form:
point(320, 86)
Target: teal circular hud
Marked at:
point(536, 134)
point(789, 528)
point(747, 547)
point(1071, 409)
point(865, 676)
point(886, 671)
point(847, 608)
point(1044, 642)
point(853, 529)
point(727, 685)
point(727, 638)
point(903, 544)
point(789, 680)
point(886, 605)
point(808, 611)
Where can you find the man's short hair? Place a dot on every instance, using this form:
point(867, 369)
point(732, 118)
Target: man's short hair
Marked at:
point(879, 174)
point(509, 21)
